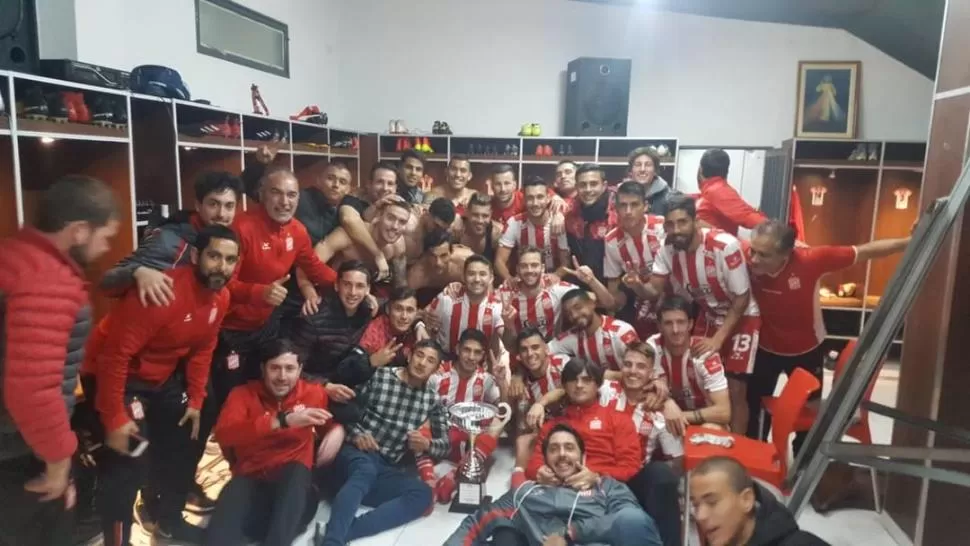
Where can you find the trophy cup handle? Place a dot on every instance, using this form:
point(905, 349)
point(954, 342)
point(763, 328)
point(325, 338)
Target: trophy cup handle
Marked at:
point(504, 413)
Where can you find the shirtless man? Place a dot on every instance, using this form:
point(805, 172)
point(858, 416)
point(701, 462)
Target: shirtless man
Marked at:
point(456, 185)
point(387, 232)
point(481, 233)
point(441, 263)
point(356, 212)
point(438, 216)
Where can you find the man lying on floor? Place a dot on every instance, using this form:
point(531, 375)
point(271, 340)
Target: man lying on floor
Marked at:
point(606, 513)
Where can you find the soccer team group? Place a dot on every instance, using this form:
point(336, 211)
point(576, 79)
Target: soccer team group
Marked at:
point(322, 335)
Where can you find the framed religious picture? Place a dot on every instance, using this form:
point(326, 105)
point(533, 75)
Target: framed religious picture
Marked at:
point(828, 99)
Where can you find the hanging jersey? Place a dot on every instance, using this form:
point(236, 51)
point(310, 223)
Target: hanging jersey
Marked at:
point(536, 388)
point(650, 425)
point(690, 377)
point(606, 346)
point(712, 275)
point(542, 310)
point(459, 314)
point(520, 233)
point(451, 388)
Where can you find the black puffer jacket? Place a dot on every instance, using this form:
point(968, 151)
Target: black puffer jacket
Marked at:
point(775, 526)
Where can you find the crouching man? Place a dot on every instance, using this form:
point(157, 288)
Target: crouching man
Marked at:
point(607, 513)
point(267, 429)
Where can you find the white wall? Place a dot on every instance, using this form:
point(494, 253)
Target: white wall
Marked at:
point(488, 67)
point(126, 33)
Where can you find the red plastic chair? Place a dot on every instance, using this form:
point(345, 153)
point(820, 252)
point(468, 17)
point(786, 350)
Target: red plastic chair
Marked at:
point(767, 461)
point(860, 430)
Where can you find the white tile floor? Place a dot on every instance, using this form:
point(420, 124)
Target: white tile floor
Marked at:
point(841, 528)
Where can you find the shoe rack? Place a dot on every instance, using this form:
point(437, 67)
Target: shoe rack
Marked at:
point(148, 149)
point(851, 192)
point(533, 156)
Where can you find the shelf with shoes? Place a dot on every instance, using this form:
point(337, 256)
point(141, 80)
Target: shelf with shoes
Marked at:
point(433, 147)
point(551, 150)
point(201, 126)
point(309, 139)
point(63, 110)
point(850, 192)
point(344, 144)
point(261, 130)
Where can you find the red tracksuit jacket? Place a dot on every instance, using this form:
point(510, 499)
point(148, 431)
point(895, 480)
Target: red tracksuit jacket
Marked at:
point(245, 427)
point(722, 208)
point(612, 445)
point(148, 344)
point(269, 251)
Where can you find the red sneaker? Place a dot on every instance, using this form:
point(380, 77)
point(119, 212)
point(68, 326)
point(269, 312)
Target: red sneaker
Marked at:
point(445, 488)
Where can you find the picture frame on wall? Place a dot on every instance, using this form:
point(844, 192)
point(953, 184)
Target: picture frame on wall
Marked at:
point(828, 99)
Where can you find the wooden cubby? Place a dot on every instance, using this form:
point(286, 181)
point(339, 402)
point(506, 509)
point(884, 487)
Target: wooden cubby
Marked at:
point(521, 153)
point(150, 159)
point(864, 199)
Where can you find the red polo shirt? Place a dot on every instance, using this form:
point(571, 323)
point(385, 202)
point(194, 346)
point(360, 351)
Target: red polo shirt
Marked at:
point(269, 251)
point(791, 316)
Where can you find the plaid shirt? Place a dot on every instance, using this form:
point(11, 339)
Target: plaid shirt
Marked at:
point(392, 408)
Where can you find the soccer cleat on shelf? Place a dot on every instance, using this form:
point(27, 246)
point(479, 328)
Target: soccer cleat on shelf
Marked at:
point(445, 128)
point(102, 112)
point(234, 128)
point(873, 151)
point(515, 149)
point(119, 113)
point(526, 129)
point(859, 154)
point(436, 128)
point(35, 105)
point(80, 107)
point(427, 146)
point(57, 110)
point(536, 129)
point(562, 149)
point(392, 127)
point(508, 149)
point(539, 150)
point(65, 98)
point(569, 150)
point(399, 146)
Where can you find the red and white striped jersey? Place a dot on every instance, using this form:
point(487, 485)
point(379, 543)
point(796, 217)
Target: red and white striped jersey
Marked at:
point(520, 232)
point(690, 377)
point(650, 425)
point(711, 275)
point(451, 388)
point(542, 310)
point(552, 380)
point(459, 314)
point(606, 346)
point(640, 250)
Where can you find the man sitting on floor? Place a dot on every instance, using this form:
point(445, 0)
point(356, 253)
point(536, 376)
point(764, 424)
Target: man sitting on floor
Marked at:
point(267, 429)
point(730, 508)
point(558, 514)
point(395, 402)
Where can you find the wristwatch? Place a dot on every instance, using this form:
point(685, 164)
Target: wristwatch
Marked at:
point(281, 416)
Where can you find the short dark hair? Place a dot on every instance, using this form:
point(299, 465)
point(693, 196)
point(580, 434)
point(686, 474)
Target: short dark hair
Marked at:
point(385, 166)
point(442, 209)
point(531, 249)
point(715, 162)
point(214, 231)
point(574, 294)
point(680, 201)
point(563, 427)
point(526, 333)
point(533, 181)
point(676, 303)
point(474, 334)
point(591, 168)
point(737, 474)
point(503, 168)
point(575, 368)
point(434, 239)
point(564, 161)
point(630, 187)
point(411, 153)
point(476, 259)
point(279, 346)
point(783, 233)
point(218, 182)
point(479, 199)
point(354, 265)
point(430, 344)
point(402, 293)
point(648, 151)
point(459, 157)
point(75, 198)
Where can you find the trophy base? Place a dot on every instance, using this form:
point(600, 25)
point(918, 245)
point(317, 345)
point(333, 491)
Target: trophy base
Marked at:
point(458, 507)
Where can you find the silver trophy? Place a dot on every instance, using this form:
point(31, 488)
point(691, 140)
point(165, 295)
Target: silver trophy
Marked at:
point(474, 418)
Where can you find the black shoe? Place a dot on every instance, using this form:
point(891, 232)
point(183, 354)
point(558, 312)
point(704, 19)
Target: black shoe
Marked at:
point(56, 108)
point(102, 113)
point(180, 533)
point(35, 105)
point(119, 112)
point(445, 129)
point(145, 515)
point(436, 128)
point(198, 502)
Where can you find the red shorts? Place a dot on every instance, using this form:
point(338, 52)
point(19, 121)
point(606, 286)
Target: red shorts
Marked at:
point(738, 351)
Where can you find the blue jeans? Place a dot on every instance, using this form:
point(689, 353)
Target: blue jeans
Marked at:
point(632, 526)
point(368, 479)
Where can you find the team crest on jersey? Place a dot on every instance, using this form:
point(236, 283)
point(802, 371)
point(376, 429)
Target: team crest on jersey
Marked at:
point(477, 390)
point(299, 407)
point(734, 260)
point(794, 283)
point(289, 244)
point(601, 231)
point(645, 427)
point(596, 424)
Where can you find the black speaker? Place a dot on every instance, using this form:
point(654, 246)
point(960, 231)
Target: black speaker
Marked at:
point(18, 36)
point(597, 97)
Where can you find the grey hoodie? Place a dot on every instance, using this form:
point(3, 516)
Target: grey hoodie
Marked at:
point(657, 193)
point(538, 511)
